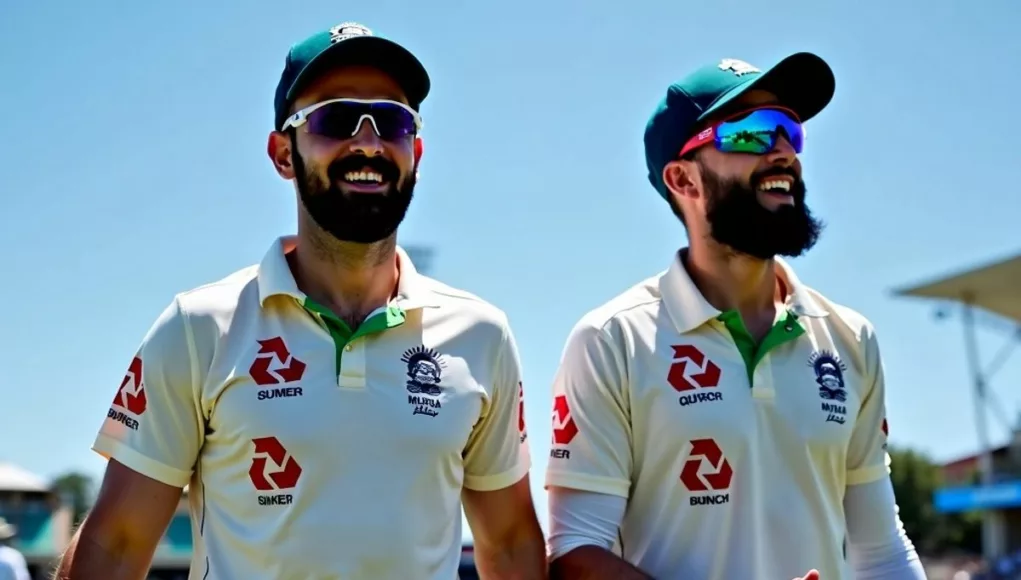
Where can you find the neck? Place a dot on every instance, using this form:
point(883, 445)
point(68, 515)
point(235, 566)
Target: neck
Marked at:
point(732, 281)
point(350, 279)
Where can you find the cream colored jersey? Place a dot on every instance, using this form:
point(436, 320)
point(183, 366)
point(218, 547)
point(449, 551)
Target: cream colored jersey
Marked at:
point(734, 457)
point(315, 451)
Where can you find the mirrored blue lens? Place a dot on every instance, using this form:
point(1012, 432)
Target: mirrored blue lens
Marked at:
point(757, 132)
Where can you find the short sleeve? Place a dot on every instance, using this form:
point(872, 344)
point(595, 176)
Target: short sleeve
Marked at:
point(867, 459)
point(497, 455)
point(155, 424)
point(591, 448)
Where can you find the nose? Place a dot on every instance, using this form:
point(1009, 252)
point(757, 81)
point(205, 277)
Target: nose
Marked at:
point(365, 141)
point(783, 154)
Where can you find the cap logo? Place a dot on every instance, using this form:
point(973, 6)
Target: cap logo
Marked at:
point(738, 67)
point(347, 30)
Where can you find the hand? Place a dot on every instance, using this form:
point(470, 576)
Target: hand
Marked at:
point(812, 575)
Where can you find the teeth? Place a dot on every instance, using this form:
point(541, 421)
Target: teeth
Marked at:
point(775, 184)
point(363, 176)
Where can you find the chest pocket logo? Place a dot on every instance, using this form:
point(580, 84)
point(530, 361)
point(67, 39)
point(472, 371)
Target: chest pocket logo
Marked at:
point(829, 375)
point(425, 371)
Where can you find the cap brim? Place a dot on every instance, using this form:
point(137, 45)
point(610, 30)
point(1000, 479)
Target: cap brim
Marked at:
point(374, 51)
point(802, 82)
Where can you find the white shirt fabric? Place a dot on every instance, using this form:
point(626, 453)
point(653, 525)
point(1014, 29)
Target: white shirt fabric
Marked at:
point(738, 450)
point(877, 544)
point(12, 564)
point(878, 547)
point(312, 451)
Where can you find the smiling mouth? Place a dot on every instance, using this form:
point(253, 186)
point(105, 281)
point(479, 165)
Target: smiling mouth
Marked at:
point(776, 185)
point(365, 180)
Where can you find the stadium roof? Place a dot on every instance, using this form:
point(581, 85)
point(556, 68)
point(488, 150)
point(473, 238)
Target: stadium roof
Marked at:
point(14, 478)
point(994, 287)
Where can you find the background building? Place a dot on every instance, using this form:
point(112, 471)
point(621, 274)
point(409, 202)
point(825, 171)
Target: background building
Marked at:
point(990, 480)
point(173, 555)
point(43, 518)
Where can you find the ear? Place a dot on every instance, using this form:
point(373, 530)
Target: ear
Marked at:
point(682, 178)
point(279, 148)
point(419, 149)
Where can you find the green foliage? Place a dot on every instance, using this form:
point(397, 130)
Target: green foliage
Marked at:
point(915, 479)
point(77, 489)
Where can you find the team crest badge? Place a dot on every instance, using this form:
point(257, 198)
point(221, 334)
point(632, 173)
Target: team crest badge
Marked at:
point(425, 373)
point(829, 374)
point(425, 370)
point(347, 30)
point(738, 67)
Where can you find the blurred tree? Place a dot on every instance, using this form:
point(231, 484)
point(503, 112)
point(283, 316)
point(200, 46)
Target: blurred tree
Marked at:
point(75, 488)
point(915, 479)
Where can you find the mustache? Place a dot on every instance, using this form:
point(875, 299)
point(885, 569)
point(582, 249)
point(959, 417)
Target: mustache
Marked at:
point(388, 169)
point(776, 172)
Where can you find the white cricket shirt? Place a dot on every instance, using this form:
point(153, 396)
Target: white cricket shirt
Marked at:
point(734, 458)
point(314, 451)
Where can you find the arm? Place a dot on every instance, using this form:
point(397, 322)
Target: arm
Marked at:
point(496, 496)
point(508, 539)
point(120, 534)
point(583, 530)
point(877, 544)
point(591, 454)
point(152, 435)
point(592, 563)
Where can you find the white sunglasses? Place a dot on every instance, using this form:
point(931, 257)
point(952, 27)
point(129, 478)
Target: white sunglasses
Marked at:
point(342, 118)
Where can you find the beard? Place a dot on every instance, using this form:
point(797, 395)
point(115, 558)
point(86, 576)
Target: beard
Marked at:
point(737, 219)
point(362, 218)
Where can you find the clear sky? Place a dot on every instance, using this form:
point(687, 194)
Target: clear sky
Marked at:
point(133, 166)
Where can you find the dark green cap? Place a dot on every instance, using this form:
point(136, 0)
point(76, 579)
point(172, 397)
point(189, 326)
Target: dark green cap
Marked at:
point(347, 44)
point(802, 82)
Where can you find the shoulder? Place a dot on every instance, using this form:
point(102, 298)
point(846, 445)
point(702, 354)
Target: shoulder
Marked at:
point(196, 318)
point(221, 299)
point(619, 318)
point(480, 327)
point(465, 306)
point(844, 319)
point(853, 330)
point(11, 558)
point(482, 330)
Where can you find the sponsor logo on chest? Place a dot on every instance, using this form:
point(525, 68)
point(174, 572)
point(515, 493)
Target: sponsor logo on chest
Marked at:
point(694, 376)
point(707, 474)
point(276, 371)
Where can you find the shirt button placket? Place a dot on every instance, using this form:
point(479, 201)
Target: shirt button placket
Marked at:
point(352, 366)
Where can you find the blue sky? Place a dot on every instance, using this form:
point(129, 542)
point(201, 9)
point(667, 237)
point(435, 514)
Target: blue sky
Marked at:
point(133, 167)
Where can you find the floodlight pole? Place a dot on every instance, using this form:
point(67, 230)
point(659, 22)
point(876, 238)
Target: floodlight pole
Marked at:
point(992, 521)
